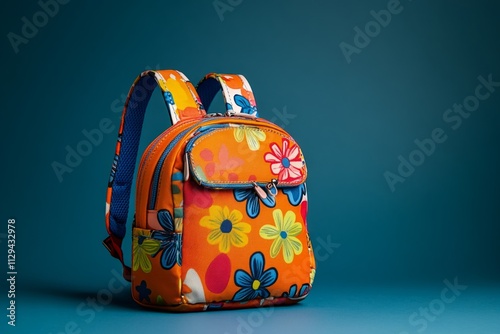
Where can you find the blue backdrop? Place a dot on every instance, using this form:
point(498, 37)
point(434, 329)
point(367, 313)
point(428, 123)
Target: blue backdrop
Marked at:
point(395, 104)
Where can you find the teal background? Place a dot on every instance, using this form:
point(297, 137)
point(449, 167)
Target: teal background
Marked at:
point(392, 249)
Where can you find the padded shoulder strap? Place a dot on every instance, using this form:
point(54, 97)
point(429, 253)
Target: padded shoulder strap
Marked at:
point(236, 91)
point(183, 102)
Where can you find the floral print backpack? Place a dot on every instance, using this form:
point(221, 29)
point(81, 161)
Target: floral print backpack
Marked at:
point(221, 201)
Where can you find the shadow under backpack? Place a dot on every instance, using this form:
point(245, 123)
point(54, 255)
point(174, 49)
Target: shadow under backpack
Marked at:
point(221, 201)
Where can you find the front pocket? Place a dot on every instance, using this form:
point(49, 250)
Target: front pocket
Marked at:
point(241, 155)
point(245, 230)
point(156, 265)
point(229, 256)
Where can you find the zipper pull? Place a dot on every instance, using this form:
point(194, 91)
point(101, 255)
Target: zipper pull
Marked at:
point(260, 192)
point(186, 166)
point(270, 192)
point(271, 187)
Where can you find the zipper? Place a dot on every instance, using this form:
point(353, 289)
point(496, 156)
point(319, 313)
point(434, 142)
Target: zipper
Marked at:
point(186, 167)
point(151, 146)
point(209, 117)
point(156, 176)
point(202, 131)
point(159, 165)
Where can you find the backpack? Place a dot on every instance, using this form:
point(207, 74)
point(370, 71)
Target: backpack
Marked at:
point(221, 201)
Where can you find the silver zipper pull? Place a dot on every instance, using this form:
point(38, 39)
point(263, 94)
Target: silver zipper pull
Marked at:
point(271, 188)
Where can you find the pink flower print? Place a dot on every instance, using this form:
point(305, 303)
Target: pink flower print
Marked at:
point(286, 162)
point(225, 167)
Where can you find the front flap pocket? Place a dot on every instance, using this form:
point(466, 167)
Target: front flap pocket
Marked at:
point(242, 156)
point(245, 237)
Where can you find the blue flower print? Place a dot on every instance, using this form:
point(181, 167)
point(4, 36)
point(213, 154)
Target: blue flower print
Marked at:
point(302, 293)
point(169, 98)
point(245, 105)
point(171, 242)
point(144, 292)
point(295, 194)
point(254, 285)
point(253, 206)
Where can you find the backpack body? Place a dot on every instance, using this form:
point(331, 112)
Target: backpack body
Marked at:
point(221, 215)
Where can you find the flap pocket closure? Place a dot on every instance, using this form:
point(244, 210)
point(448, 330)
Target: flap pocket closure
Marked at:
point(241, 156)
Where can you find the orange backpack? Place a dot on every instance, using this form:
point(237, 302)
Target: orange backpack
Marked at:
point(221, 201)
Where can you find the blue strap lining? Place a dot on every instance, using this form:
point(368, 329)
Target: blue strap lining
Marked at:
point(131, 134)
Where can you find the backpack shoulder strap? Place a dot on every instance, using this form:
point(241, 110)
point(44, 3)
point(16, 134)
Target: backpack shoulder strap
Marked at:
point(236, 90)
point(183, 102)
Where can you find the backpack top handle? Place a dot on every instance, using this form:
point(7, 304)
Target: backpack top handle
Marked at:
point(236, 91)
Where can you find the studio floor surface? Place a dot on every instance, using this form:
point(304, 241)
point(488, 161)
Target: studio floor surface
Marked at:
point(450, 307)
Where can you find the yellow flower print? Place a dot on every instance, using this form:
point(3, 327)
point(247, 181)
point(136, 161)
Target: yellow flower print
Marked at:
point(143, 246)
point(254, 136)
point(226, 227)
point(283, 234)
point(312, 274)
